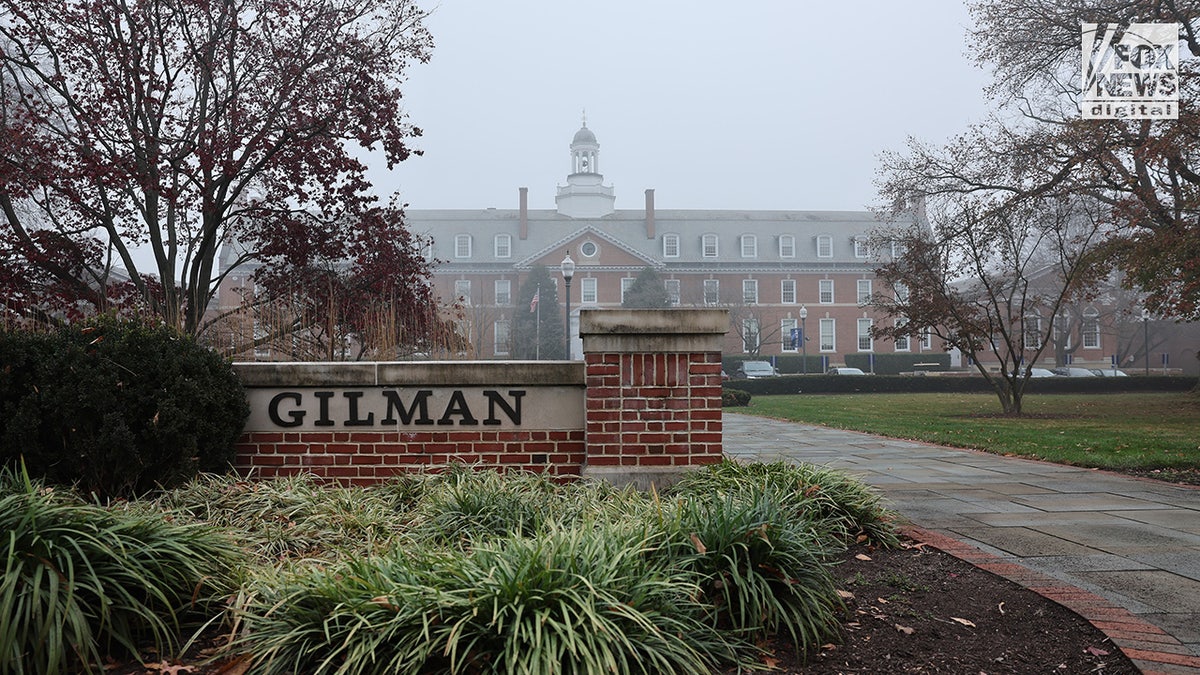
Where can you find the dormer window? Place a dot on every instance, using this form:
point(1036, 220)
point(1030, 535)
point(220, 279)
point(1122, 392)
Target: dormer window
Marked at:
point(824, 246)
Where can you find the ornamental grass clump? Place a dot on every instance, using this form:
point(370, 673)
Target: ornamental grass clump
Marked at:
point(577, 600)
point(762, 570)
point(845, 507)
point(464, 505)
point(295, 517)
point(82, 583)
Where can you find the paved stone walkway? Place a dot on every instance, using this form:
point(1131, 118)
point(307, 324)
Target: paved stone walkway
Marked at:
point(1122, 552)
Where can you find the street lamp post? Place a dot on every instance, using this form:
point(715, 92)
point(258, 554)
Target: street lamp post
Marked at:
point(804, 339)
point(1146, 336)
point(568, 271)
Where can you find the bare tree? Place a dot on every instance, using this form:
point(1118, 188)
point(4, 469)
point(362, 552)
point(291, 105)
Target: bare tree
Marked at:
point(977, 274)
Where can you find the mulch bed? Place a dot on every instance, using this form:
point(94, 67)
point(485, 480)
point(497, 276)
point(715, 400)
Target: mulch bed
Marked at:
point(918, 610)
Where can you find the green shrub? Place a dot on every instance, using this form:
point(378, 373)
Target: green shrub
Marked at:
point(734, 398)
point(762, 570)
point(569, 601)
point(117, 408)
point(82, 583)
point(843, 507)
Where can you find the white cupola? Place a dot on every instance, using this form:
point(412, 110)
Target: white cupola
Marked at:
point(585, 195)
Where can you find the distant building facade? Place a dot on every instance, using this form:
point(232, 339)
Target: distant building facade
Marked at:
point(767, 267)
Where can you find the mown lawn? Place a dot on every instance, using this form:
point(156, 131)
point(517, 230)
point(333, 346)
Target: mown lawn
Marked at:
point(1110, 431)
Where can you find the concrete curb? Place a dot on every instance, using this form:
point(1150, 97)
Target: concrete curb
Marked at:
point(1150, 648)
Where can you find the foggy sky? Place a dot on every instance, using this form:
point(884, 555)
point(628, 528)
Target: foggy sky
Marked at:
point(773, 104)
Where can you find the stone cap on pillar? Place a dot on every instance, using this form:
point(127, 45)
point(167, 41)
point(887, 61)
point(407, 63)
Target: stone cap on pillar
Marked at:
point(652, 330)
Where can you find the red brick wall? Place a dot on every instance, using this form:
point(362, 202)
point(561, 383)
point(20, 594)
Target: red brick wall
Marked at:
point(364, 457)
point(653, 410)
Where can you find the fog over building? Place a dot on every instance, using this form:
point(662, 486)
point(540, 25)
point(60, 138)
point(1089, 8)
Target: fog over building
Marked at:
point(767, 267)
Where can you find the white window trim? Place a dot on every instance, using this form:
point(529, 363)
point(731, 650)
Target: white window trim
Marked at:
point(832, 347)
point(746, 333)
point(750, 291)
point(672, 286)
point(626, 284)
point(674, 240)
point(459, 240)
point(784, 284)
point(821, 283)
point(501, 348)
point(861, 335)
point(716, 246)
point(825, 240)
point(860, 248)
point(502, 251)
point(785, 334)
point(1091, 328)
point(588, 287)
point(507, 296)
point(749, 244)
point(863, 299)
point(788, 249)
point(716, 285)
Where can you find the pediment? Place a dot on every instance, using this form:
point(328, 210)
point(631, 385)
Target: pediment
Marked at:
point(609, 252)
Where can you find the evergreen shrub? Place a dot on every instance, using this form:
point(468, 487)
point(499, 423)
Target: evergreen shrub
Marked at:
point(116, 407)
point(734, 398)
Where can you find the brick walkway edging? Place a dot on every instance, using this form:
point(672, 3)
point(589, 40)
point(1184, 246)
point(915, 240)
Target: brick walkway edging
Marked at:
point(1150, 648)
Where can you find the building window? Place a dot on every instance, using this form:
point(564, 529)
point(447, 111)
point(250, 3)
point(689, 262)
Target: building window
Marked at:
point(502, 332)
point(672, 286)
point(865, 342)
point(786, 326)
point(927, 339)
point(712, 291)
point(587, 290)
point(589, 249)
point(462, 291)
point(825, 246)
point(749, 246)
point(901, 293)
point(864, 291)
point(1062, 331)
point(626, 284)
point(828, 334)
point(825, 291)
point(860, 248)
point(787, 291)
point(670, 245)
point(503, 245)
point(750, 291)
point(751, 336)
point(1091, 329)
point(902, 341)
point(462, 246)
point(897, 249)
point(427, 252)
point(708, 245)
point(1032, 332)
point(787, 246)
point(503, 292)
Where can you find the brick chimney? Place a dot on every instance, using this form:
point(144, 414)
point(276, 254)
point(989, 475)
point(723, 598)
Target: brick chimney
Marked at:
point(650, 214)
point(524, 231)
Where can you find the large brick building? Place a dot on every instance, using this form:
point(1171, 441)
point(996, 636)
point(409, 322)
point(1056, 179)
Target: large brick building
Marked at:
point(774, 270)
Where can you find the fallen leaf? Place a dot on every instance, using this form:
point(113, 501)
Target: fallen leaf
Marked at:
point(964, 622)
point(845, 595)
point(770, 663)
point(862, 556)
point(700, 547)
point(1096, 651)
point(905, 629)
point(1002, 608)
point(881, 601)
point(829, 647)
point(861, 538)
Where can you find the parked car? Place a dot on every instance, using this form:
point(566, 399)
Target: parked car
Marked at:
point(842, 370)
point(1041, 372)
point(1109, 372)
point(752, 370)
point(1074, 372)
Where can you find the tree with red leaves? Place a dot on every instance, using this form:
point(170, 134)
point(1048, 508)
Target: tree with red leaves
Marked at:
point(178, 126)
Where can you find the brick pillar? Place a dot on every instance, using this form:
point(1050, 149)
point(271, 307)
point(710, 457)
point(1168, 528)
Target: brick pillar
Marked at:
point(653, 401)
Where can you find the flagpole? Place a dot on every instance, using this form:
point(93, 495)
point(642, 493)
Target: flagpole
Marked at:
point(538, 323)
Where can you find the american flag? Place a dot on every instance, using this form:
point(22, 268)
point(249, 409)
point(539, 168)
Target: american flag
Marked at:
point(533, 303)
